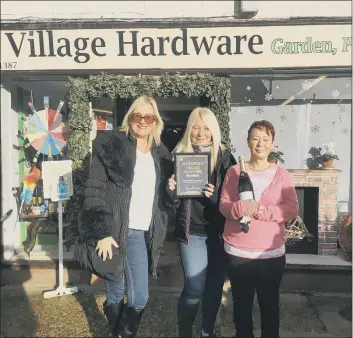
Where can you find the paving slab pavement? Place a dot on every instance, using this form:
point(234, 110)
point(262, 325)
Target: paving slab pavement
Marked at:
point(27, 313)
point(329, 315)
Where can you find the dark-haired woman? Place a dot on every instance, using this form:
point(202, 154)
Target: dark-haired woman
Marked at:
point(256, 259)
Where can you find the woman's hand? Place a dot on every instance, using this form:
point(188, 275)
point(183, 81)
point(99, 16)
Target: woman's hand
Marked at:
point(104, 247)
point(171, 183)
point(251, 208)
point(208, 191)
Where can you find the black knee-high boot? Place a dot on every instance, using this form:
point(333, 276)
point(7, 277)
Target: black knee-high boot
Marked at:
point(129, 322)
point(113, 313)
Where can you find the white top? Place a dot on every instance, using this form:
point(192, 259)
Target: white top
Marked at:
point(261, 179)
point(254, 254)
point(143, 189)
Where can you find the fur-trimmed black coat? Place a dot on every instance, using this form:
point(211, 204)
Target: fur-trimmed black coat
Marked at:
point(109, 189)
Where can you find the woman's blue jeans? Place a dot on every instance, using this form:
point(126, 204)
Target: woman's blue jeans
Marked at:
point(135, 281)
point(203, 261)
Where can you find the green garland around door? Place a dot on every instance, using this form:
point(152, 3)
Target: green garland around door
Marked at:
point(215, 88)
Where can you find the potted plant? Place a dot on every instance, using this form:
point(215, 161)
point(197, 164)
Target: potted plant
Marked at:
point(275, 155)
point(327, 157)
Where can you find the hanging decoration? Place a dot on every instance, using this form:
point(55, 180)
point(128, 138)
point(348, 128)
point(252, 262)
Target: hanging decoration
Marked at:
point(335, 94)
point(306, 85)
point(259, 110)
point(315, 129)
point(44, 131)
point(268, 97)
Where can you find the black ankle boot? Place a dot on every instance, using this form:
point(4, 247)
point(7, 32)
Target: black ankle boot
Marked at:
point(113, 313)
point(129, 322)
point(185, 326)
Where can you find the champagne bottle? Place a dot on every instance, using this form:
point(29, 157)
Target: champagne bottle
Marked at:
point(34, 197)
point(246, 192)
point(40, 192)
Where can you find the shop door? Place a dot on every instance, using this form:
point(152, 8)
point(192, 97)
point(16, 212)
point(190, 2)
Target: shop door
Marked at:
point(171, 136)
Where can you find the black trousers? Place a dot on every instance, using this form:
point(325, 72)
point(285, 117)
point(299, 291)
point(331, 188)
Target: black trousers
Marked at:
point(263, 276)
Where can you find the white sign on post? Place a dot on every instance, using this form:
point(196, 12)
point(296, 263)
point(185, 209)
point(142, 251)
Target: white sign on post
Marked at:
point(51, 173)
point(57, 185)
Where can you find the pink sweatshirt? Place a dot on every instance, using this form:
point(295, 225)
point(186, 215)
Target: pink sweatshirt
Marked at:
point(278, 204)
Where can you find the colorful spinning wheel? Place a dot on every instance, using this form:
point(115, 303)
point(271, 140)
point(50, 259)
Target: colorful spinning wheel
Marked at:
point(45, 131)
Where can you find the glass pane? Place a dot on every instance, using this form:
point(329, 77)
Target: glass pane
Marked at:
point(306, 112)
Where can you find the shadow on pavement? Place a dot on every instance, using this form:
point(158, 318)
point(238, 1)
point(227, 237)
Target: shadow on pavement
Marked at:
point(15, 301)
point(92, 309)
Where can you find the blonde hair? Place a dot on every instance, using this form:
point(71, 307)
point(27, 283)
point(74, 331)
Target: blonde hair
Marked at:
point(155, 135)
point(210, 120)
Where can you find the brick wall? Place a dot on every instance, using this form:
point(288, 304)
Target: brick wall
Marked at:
point(327, 182)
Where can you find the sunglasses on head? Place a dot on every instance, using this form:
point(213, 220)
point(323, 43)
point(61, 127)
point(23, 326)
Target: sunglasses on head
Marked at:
point(137, 118)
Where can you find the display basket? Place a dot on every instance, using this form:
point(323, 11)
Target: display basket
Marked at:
point(345, 236)
point(296, 231)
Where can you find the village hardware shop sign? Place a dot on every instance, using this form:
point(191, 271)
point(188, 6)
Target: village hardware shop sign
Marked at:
point(177, 48)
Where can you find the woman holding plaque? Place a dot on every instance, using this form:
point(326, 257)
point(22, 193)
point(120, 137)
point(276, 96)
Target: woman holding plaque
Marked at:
point(200, 225)
point(256, 259)
point(123, 210)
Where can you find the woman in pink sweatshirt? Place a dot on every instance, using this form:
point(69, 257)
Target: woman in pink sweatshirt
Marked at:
point(256, 259)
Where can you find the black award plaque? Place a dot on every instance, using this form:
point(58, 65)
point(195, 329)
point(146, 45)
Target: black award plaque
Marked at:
point(192, 173)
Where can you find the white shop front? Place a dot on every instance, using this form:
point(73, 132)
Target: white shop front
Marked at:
point(294, 73)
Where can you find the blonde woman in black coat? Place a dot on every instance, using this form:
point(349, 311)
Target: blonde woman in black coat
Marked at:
point(124, 210)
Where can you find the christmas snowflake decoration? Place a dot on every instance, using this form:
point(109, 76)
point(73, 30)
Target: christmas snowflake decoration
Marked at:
point(259, 110)
point(342, 108)
point(306, 85)
point(283, 117)
point(329, 148)
point(335, 94)
point(277, 87)
point(344, 131)
point(347, 85)
point(249, 99)
point(268, 97)
point(315, 129)
point(248, 88)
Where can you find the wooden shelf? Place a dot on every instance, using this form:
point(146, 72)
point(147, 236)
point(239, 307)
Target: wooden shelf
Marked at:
point(314, 170)
point(29, 218)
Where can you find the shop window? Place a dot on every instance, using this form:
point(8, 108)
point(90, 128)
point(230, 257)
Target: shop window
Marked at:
point(306, 112)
